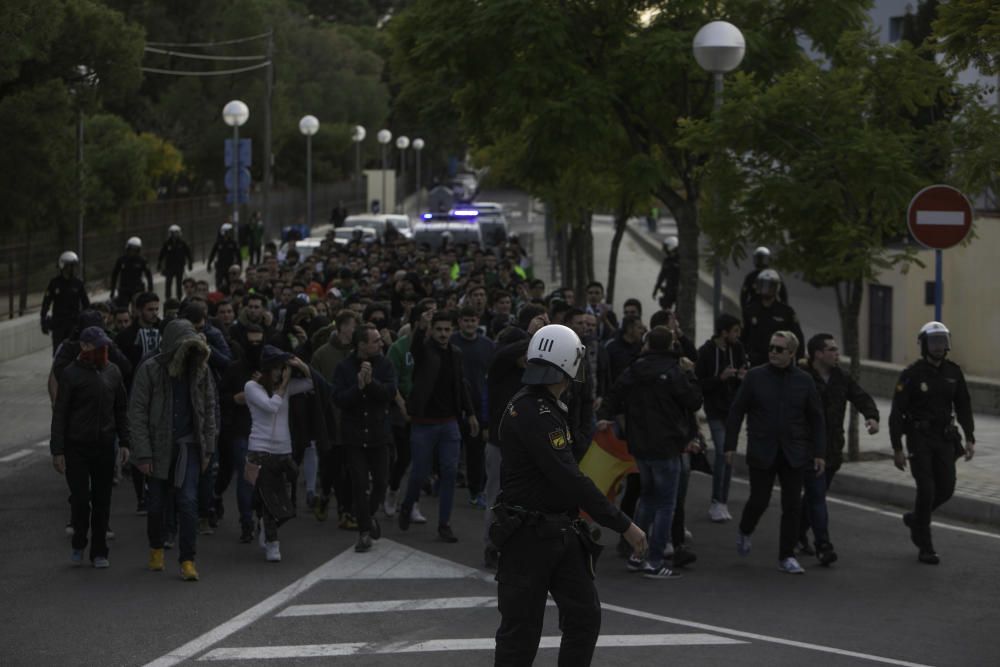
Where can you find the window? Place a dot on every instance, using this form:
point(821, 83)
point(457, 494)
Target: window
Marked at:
point(880, 322)
point(896, 28)
point(929, 293)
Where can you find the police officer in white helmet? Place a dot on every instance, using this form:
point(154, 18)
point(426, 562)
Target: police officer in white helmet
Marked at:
point(127, 277)
point(748, 293)
point(931, 395)
point(174, 256)
point(670, 274)
point(66, 295)
point(225, 253)
point(544, 546)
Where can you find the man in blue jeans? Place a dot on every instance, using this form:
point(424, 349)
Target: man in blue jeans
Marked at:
point(659, 400)
point(438, 400)
point(172, 423)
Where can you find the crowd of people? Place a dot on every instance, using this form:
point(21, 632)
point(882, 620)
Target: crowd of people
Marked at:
point(371, 374)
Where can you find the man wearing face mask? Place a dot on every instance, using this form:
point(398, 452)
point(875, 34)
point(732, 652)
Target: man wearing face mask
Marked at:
point(234, 433)
point(931, 395)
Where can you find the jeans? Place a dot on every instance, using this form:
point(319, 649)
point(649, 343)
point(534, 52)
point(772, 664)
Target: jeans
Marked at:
point(494, 457)
point(206, 486)
point(401, 460)
point(425, 441)
point(365, 462)
point(722, 474)
point(475, 464)
point(310, 465)
point(244, 489)
point(90, 468)
point(185, 499)
point(659, 481)
point(814, 511)
point(761, 484)
point(678, 528)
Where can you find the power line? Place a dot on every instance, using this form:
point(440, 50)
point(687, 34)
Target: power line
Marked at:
point(199, 56)
point(156, 70)
point(241, 40)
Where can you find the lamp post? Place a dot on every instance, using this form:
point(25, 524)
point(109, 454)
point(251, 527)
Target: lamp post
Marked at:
point(402, 143)
point(357, 136)
point(384, 137)
point(86, 81)
point(718, 47)
point(308, 126)
point(418, 145)
point(236, 113)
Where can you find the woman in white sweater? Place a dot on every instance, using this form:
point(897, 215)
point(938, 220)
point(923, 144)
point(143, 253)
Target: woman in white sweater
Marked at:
point(270, 447)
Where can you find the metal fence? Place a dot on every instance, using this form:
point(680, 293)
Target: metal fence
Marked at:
point(28, 263)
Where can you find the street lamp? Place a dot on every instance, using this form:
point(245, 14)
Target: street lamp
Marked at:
point(718, 47)
point(384, 137)
point(309, 125)
point(418, 145)
point(85, 82)
point(235, 113)
point(357, 136)
point(402, 143)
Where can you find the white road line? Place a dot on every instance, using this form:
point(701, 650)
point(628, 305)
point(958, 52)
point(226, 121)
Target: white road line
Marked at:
point(381, 606)
point(759, 637)
point(441, 645)
point(20, 454)
point(897, 514)
point(41, 443)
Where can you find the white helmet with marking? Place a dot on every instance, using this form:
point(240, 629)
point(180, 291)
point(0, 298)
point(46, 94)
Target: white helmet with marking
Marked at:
point(670, 244)
point(554, 354)
point(68, 257)
point(134, 242)
point(226, 227)
point(934, 339)
point(174, 229)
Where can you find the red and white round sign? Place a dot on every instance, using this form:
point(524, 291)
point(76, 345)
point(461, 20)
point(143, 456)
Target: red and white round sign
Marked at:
point(939, 217)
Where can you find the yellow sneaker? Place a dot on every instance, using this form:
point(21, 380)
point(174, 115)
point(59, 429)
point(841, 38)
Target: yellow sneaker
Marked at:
point(156, 560)
point(188, 573)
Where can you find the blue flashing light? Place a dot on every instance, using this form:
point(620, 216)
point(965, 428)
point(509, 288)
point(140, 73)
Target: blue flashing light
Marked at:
point(427, 216)
point(465, 212)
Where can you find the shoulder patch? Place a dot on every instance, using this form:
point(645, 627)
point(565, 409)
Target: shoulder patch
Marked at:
point(543, 409)
point(557, 439)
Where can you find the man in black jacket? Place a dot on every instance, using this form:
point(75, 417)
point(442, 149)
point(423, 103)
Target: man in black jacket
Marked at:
point(67, 296)
point(624, 347)
point(659, 401)
point(364, 386)
point(835, 388)
point(174, 256)
point(130, 274)
point(786, 438)
point(90, 410)
point(438, 400)
point(224, 253)
point(141, 339)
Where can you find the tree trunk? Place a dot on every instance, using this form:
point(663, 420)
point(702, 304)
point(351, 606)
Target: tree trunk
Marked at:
point(686, 215)
point(849, 306)
point(616, 241)
point(582, 255)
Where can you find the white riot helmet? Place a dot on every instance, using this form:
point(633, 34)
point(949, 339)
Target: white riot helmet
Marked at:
point(761, 257)
point(68, 257)
point(768, 283)
point(225, 228)
point(134, 242)
point(935, 340)
point(554, 353)
point(670, 244)
point(174, 229)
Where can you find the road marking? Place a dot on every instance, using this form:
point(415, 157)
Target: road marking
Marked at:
point(944, 218)
point(16, 455)
point(381, 606)
point(759, 637)
point(41, 443)
point(440, 645)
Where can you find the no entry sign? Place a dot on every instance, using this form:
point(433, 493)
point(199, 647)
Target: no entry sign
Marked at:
point(939, 217)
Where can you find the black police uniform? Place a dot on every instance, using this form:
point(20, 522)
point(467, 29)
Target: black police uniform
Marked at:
point(174, 256)
point(669, 279)
point(225, 252)
point(748, 292)
point(127, 278)
point(760, 322)
point(922, 411)
point(68, 298)
point(547, 548)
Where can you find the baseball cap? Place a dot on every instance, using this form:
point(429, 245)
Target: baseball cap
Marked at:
point(95, 336)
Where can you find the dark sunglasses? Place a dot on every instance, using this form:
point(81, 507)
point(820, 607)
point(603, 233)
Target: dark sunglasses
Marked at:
point(776, 348)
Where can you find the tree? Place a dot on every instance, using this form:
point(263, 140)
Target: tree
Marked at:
point(968, 31)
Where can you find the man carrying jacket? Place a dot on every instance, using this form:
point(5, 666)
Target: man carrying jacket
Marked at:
point(173, 429)
point(786, 438)
point(659, 401)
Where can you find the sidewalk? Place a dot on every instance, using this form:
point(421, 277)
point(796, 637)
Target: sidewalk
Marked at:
point(874, 478)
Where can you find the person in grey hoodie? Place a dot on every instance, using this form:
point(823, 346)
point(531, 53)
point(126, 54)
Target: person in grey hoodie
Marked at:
point(173, 428)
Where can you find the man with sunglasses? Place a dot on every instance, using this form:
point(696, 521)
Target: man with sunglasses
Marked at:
point(786, 438)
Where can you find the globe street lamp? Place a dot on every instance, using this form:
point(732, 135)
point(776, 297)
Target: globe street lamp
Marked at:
point(384, 137)
point(402, 143)
point(418, 145)
point(357, 136)
point(308, 126)
point(236, 113)
point(81, 88)
point(718, 47)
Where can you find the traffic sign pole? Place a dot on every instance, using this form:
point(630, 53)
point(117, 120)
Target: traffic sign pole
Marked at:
point(938, 287)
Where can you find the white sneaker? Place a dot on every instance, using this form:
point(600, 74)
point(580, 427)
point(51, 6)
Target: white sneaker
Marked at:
point(389, 506)
point(790, 566)
point(715, 512)
point(725, 511)
point(273, 552)
point(416, 516)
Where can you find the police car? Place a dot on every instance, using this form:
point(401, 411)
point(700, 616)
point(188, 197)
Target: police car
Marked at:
point(458, 226)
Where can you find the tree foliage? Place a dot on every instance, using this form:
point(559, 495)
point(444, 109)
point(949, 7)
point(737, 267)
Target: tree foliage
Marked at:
point(968, 31)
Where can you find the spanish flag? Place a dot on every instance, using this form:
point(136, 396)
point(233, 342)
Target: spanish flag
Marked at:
point(607, 461)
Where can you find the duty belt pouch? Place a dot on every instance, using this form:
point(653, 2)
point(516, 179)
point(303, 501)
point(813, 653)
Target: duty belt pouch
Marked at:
point(505, 524)
point(592, 548)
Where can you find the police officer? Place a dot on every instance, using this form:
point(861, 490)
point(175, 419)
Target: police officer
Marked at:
point(225, 252)
point(748, 293)
point(927, 392)
point(766, 315)
point(67, 297)
point(670, 274)
point(126, 277)
point(174, 255)
point(544, 546)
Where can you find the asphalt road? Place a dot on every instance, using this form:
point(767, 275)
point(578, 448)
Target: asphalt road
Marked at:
point(416, 601)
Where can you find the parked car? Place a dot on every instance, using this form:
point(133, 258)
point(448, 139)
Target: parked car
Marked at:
point(380, 221)
point(344, 235)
